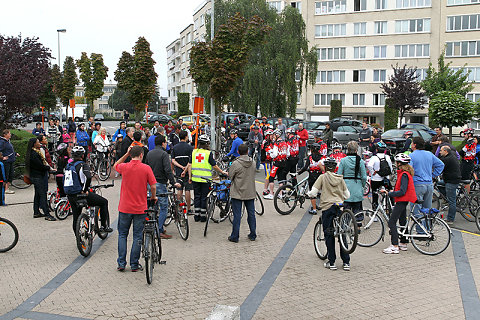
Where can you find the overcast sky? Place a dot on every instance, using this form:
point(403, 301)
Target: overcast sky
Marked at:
point(102, 26)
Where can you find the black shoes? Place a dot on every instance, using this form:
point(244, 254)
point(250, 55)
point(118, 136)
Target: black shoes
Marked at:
point(138, 268)
point(106, 229)
point(203, 218)
point(39, 215)
point(232, 240)
point(196, 218)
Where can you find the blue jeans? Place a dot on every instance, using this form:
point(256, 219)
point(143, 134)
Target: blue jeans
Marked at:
point(237, 217)
point(450, 191)
point(424, 192)
point(162, 205)
point(125, 220)
point(301, 156)
point(251, 152)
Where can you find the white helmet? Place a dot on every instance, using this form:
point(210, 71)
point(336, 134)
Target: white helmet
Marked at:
point(402, 158)
point(78, 151)
point(204, 139)
point(277, 132)
point(336, 145)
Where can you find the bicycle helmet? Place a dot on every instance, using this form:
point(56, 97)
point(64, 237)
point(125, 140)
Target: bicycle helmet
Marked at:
point(255, 128)
point(381, 145)
point(268, 132)
point(277, 132)
point(336, 145)
point(468, 131)
point(402, 158)
point(318, 134)
point(204, 139)
point(315, 146)
point(78, 151)
point(233, 131)
point(291, 130)
point(408, 133)
point(62, 146)
point(330, 163)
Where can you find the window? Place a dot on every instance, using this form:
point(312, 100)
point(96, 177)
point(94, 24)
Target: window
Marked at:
point(412, 50)
point(103, 106)
point(298, 75)
point(380, 27)
point(463, 48)
point(360, 28)
point(358, 99)
point(359, 75)
point(299, 98)
point(475, 97)
point(454, 2)
point(379, 52)
point(412, 26)
point(325, 99)
point(473, 76)
point(421, 74)
point(378, 99)
point(326, 7)
point(79, 93)
point(360, 5)
point(379, 75)
point(330, 30)
point(380, 4)
point(413, 3)
point(466, 22)
point(331, 76)
point(276, 5)
point(359, 52)
point(297, 4)
point(331, 53)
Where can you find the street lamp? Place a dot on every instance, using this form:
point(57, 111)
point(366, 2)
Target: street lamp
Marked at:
point(58, 58)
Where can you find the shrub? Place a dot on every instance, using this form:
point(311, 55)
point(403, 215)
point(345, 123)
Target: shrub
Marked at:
point(20, 141)
point(183, 101)
point(335, 109)
point(390, 115)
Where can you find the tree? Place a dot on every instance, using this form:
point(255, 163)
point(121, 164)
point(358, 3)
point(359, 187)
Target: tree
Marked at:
point(136, 74)
point(446, 79)
point(93, 72)
point(24, 73)
point(69, 81)
point(404, 90)
point(119, 101)
point(183, 101)
point(335, 109)
point(47, 98)
point(390, 115)
point(269, 82)
point(449, 109)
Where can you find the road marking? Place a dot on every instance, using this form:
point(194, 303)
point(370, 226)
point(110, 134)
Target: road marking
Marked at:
point(468, 289)
point(256, 296)
point(48, 316)
point(467, 232)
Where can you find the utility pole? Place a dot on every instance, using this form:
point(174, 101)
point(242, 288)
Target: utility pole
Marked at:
point(212, 104)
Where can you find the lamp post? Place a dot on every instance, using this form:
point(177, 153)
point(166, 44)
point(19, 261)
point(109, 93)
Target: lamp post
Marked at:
point(60, 65)
point(213, 141)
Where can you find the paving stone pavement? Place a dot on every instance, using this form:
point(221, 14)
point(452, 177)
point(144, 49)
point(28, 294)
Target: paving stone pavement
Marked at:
point(203, 272)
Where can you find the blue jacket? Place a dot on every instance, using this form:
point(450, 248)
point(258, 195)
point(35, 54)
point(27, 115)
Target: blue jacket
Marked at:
point(423, 163)
point(151, 142)
point(354, 186)
point(234, 150)
point(6, 148)
point(37, 132)
point(119, 131)
point(82, 138)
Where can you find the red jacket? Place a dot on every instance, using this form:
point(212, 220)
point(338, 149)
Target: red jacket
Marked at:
point(410, 195)
point(302, 137)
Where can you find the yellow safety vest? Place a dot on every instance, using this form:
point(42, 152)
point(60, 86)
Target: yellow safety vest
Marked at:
point(200, 166)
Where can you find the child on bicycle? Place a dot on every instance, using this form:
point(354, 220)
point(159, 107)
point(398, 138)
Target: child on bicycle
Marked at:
point(334, 191)
point(315, 168)
point(403, 193)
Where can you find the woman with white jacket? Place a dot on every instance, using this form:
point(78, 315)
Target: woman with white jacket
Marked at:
point(101, 141)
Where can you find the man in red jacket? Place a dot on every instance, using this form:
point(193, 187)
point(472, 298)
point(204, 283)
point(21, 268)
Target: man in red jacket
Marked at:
point(302, 134)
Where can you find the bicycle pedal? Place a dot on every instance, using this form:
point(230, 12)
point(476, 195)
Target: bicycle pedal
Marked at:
point(163, 262)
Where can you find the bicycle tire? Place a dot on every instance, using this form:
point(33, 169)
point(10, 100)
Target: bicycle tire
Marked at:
point(148, 256)
point(51, 197)
point(440, 232)
point(19, 172)
point(319, 241)
point(83, 237)
point(477, 219)
point(366, 189)
point(466, 209)
point(348, 231)
point(288, 192)
point(230, 214)
point(182, 225)
point(61, 209)
point(221, 210)
point(259, 207)
point(7, 227)
point(104, 170)
point(170, 212)
point(371, 229)
point(210, 207)
point(101, 234)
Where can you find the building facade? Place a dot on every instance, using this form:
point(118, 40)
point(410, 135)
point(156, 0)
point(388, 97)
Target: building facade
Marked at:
point(358, 42)
point(100, 105)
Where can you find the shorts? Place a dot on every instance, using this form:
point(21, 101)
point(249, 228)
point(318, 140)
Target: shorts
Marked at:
point(8, 166)
point(312, 177)
point(184, 183)
point(292, 165)
point(278, 172)
point(466, 168)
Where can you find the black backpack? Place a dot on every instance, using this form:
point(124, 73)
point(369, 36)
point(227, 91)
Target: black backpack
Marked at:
point(385, 169)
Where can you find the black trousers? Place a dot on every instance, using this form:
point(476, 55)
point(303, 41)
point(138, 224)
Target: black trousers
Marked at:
point(327, 220)
point(375, 186)
point(200, 190)
point(92, 200)
point(399, 213)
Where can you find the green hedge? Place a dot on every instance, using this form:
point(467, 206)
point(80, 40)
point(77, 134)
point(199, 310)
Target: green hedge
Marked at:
point(20, 141)
point(391, 115)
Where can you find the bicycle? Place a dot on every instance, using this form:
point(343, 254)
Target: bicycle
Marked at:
point(467, 203)
point(8, 235)
point(259, 208)
point(177, 211)
point(218, 198)
point(425, 233)
point(152, 243)
point(19, 172)
point(53, 197)
point(87, 224)
point(63, 209)
point(344, 228)
point(289, 195)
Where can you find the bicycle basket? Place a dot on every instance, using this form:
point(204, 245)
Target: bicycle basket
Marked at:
point(223, 190)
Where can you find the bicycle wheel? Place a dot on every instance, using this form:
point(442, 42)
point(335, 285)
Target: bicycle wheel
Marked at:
point(51, 199)
point(210, 207)
point(104, 170)
point(182, 224)
point(348, 231)
point(18, 174)
point(221, 210)
point(170, 211)
point(62, 209)
point(477, 219)
point(83, 236)
point(371, 228)
point(8, 235)
point(102, 235)
point(438, 238)
point(466, 207)
point(259, 208)
point(285, 199)
point(148, 252)
point(319, 240)
point(366, 189)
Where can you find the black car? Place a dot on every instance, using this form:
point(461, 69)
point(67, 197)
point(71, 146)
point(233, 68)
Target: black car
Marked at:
point(395, 140)
point(162, 118)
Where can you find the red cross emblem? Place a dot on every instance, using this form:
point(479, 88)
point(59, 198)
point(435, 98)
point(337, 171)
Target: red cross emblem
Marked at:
point(200, 157)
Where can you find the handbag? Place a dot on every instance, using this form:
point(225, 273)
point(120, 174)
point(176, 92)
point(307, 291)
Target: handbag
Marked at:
point(27, 180)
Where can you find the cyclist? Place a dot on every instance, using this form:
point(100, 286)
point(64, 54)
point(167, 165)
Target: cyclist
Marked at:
point(95, 132)
point(82, 137)
point(337, 153)
point(200, 166)
point(235, 144)
point(181, 154)
point(255, 139)
point(120, 131)
point(323, 145)
point(334, 191)
point(279, 156)
point(315, 168)
point(265, 125)
point(468, 153)
point(378, 171)
point(63, 151)
point(77, 180)
point(292, 155)
point(101, 142)
point(406, 147)
point(403, 193)
point(266, 157)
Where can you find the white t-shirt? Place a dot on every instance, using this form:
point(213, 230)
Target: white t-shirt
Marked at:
point(373, 166)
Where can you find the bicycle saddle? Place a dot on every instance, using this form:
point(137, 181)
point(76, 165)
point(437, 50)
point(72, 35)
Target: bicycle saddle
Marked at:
point(464, 181)
point(419, 201)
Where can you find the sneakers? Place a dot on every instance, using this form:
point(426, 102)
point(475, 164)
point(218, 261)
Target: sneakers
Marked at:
point(121, 269)
point(268, 197)
point(391, 250)
point(138, 268)
point(346, 266)
point(39, 215)
point(402, 246)
point(106, 229)
point(265, 192)
point(9, 191)
point(330, 266)
point(165, 236)
point(450, 222)
point(312, 211)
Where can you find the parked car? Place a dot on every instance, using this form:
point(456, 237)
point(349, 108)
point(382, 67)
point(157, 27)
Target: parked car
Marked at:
point(418, 126)
point(190, 120)
point(150, 114)
point(351, 122)
point(342, 133)
point(162, 118)
point(395, 140)
point(98, 117)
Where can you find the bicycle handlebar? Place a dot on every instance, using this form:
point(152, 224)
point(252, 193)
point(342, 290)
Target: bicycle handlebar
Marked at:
point(98, 186)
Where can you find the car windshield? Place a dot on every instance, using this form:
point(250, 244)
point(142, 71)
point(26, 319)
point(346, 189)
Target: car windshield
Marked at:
point(395, 134)
point(311, 125)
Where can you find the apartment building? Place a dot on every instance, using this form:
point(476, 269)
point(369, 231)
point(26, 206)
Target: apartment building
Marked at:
point(358, 42)
point(100, 105)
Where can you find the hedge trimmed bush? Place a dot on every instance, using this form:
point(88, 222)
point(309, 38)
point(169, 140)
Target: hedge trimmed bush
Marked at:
point(391, 115)
point(20, 141)
point(183, 101)
point(335, 109)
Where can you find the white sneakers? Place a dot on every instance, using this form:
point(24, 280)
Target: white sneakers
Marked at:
point(402, 246)
point(391, 250)
point(268, 196)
